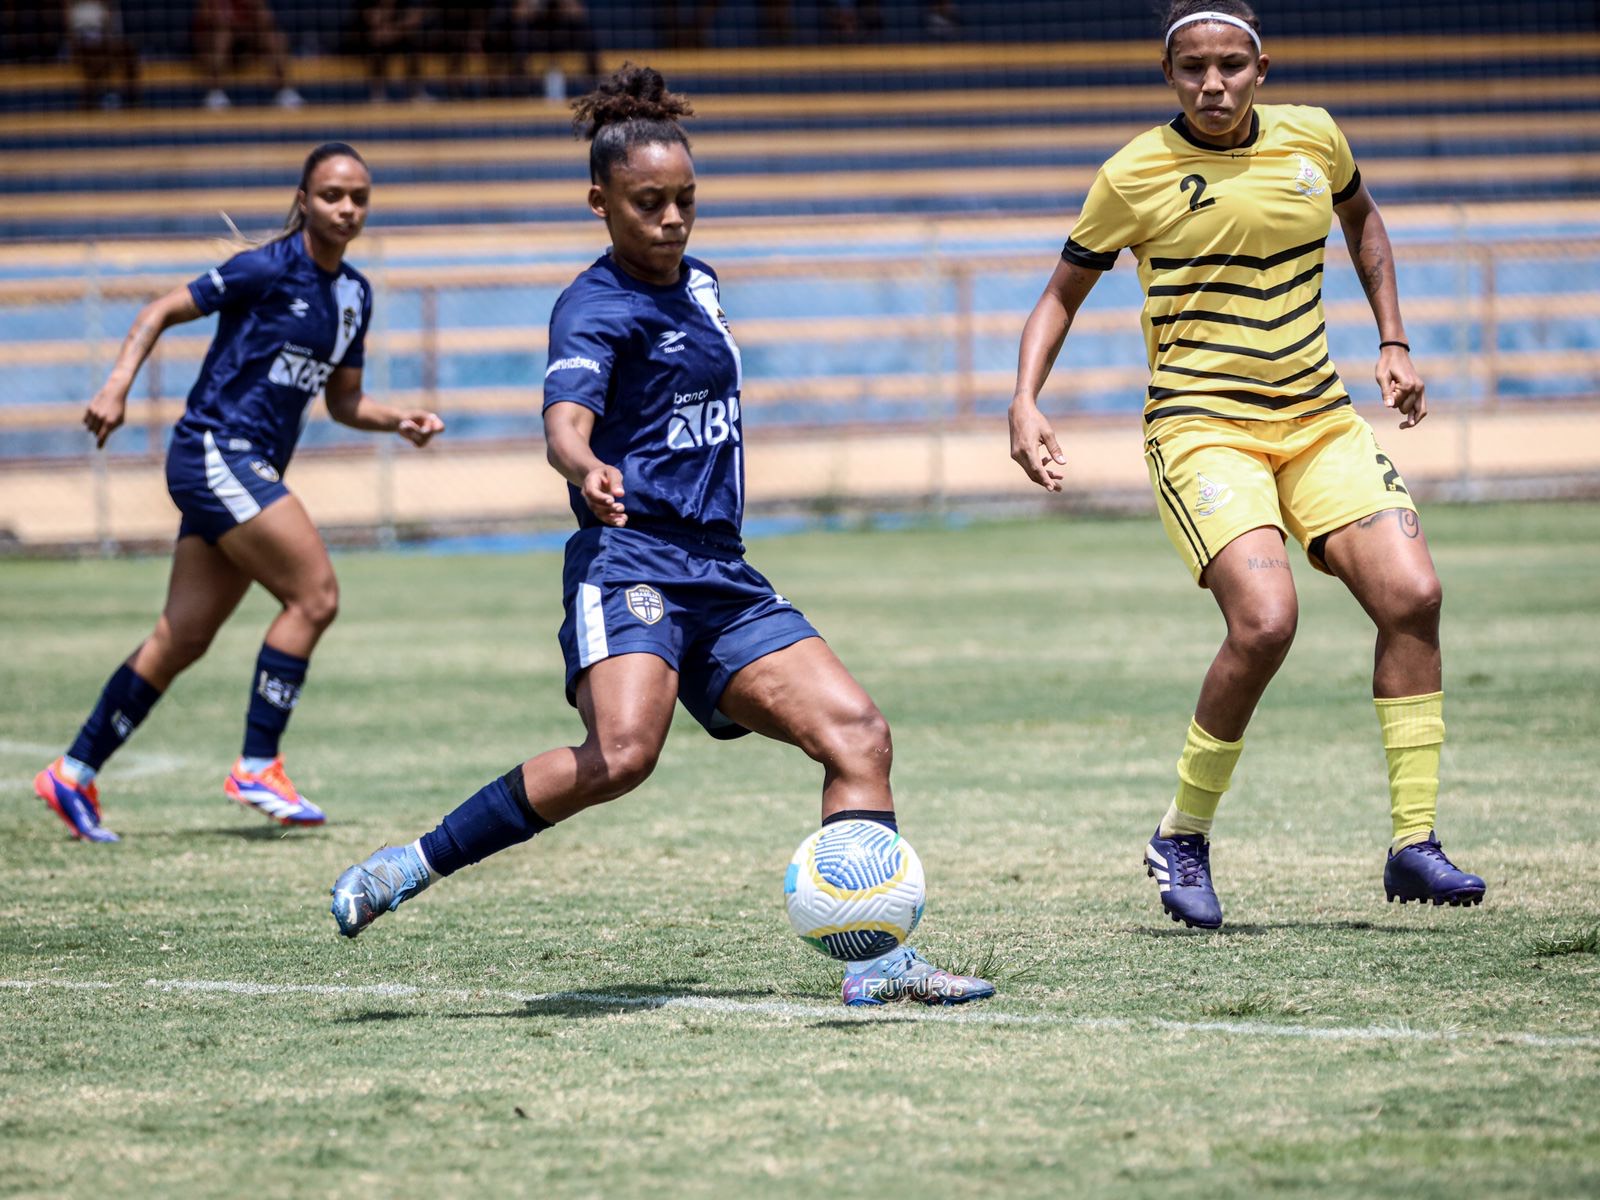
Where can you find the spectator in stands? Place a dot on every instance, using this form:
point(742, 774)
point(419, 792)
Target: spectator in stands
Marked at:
point(384, 30)
point(464, 36)
point(549, 29)
point(96, 43)
point(685, 30)
point(227, 32)
point(851, 20)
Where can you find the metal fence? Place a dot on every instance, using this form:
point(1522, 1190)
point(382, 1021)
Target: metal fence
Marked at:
point(879, 361)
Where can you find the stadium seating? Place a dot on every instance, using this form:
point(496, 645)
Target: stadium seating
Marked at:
point(881, 230)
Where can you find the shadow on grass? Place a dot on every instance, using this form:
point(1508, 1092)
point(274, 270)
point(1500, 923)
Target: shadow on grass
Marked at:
point(580, 1003)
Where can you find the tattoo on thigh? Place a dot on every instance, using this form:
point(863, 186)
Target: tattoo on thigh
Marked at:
point(1407, 520)
point(1267, 564)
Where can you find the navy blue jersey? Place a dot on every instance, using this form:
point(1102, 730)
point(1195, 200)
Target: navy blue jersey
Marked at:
point(659, 368)
point(284, 324)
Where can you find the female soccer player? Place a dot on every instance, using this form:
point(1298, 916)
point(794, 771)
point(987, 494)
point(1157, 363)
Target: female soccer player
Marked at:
point(641, 413)
point(292, 322)
point(1249, 433)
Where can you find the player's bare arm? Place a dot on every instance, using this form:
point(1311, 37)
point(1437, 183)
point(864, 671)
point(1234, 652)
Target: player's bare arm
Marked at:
point(1367, 239)
point(106, 411)
point(1033, 440)
point(349, 405)
point(567, 429)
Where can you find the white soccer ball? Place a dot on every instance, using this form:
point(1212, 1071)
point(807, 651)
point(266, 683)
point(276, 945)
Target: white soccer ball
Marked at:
point(854, 890)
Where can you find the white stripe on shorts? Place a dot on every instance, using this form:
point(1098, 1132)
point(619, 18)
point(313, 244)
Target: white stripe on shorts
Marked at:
point(591, 626)
point(225, 485)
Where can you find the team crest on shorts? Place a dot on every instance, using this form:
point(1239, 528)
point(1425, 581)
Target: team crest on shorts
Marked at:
point(645, 603)
point(1308, 179)
point(266, 470)
point(1213, 495)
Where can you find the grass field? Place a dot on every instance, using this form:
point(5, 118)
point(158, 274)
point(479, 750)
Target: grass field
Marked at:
point(618, 1009)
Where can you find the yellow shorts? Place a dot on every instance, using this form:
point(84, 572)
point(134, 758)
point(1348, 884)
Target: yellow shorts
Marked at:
point(1308, 476)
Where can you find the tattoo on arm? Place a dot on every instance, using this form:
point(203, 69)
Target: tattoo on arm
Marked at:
point(1370, 264)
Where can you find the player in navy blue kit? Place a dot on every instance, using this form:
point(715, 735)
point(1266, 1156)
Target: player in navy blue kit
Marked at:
point(292, 321)
point(641, 413)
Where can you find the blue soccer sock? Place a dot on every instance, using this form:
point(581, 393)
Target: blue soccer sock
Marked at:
point(274, 691)
point(498, 815)
point(883, 816)
point(125, 701)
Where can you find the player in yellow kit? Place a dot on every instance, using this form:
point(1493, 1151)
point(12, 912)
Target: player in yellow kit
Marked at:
point(1249, 432)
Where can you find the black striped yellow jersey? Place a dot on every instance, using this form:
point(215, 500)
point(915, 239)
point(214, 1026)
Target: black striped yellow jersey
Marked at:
point(1230, 251)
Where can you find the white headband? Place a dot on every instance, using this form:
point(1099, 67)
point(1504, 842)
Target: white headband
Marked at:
point(1225, 18)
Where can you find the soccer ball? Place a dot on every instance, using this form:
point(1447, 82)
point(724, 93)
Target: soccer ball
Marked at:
point(854, 890)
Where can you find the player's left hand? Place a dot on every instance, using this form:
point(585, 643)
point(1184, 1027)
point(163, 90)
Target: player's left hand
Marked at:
point(1401, 386)
point(419, 427)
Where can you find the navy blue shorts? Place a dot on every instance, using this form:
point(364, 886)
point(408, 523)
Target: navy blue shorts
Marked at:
point(218, 482)
point(708, 615)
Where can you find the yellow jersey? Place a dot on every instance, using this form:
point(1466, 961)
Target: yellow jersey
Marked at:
point(1230, 250)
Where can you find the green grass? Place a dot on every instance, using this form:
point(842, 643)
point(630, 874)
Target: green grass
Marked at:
point(1038, 677)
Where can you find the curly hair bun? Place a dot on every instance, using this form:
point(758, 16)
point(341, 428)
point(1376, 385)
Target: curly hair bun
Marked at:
point(630, 94)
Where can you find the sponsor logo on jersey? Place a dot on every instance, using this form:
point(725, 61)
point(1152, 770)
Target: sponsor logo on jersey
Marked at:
point(708, 423)
point(670, 341)
point(297, 367)
point(572, 364)
point(217, 281)
point(264, 469)
point(645, 603)
point(1213, 495)
point(239, 445)
point(299, 307)
point(1308, 179)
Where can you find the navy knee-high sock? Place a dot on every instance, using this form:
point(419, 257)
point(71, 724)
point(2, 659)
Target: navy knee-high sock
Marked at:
point(498, 815)
point(274, 691)
point(126, 700)
point(883, 816)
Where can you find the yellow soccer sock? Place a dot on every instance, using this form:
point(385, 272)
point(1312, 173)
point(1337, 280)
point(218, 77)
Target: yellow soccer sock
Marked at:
point(1413, 732)
point(1204, 771)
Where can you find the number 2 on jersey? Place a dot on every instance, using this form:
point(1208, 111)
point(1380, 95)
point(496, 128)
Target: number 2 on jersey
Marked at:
point(1198, 183)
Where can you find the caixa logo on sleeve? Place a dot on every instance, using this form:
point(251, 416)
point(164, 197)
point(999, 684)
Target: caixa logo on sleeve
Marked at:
point(297, 367)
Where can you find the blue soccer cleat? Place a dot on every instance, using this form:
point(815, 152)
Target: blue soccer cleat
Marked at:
point(387, 879)
point(78, 806)
point(1181, 865)
point(1422, 872)
point(903, 974)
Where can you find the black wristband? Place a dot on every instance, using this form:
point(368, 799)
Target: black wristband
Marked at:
point(1406, 346)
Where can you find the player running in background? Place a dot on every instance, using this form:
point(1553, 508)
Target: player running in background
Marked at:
point(293, 317)
point(1249, 433)
point(641, 413)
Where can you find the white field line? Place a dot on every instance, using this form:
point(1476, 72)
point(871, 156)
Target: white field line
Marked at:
point(724, 1007)
point(130, 764)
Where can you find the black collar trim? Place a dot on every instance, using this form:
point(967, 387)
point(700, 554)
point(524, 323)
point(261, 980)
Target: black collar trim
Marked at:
point(1181, 127)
